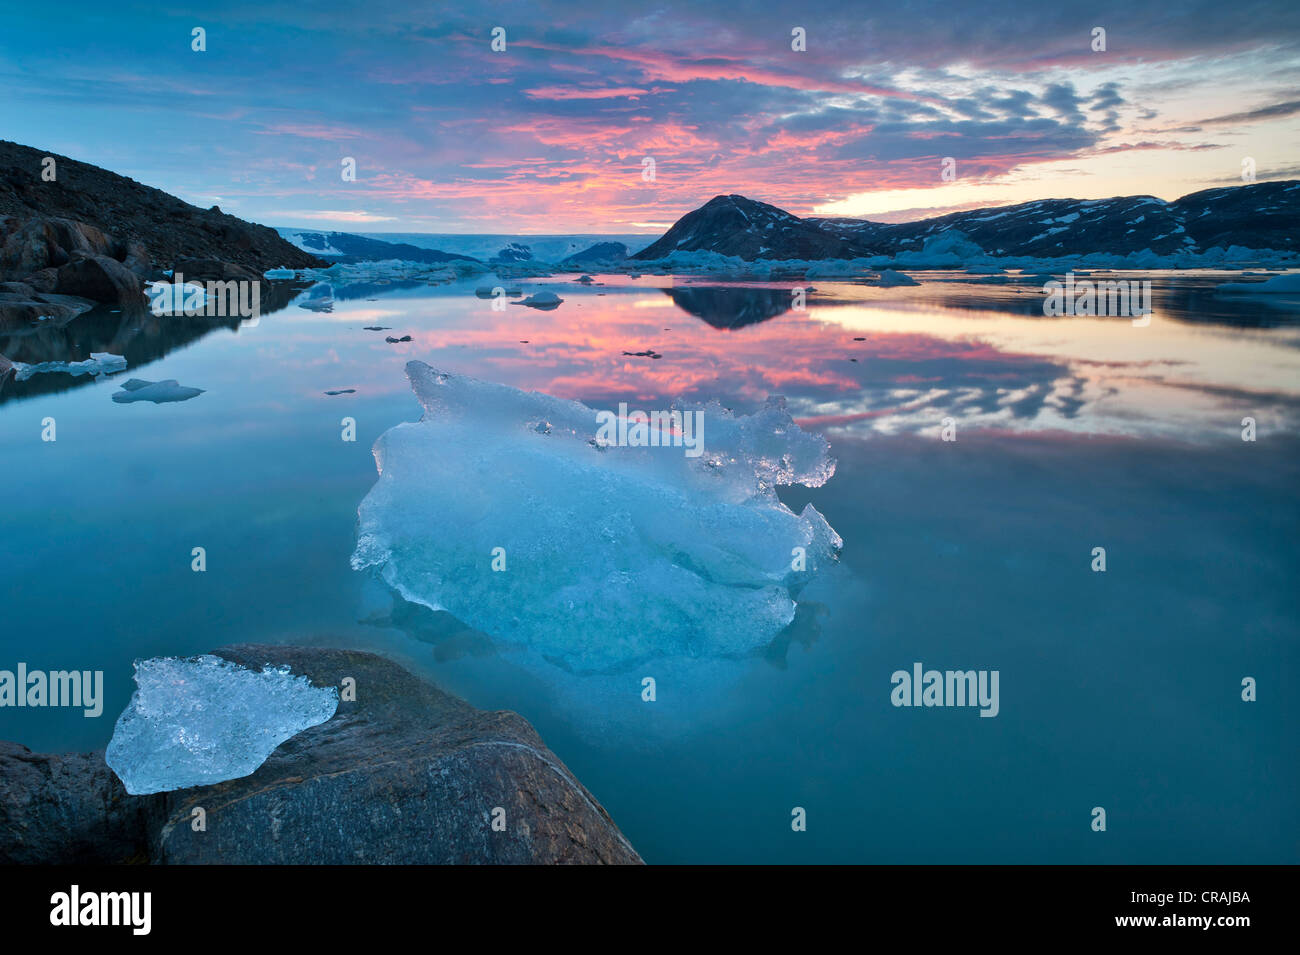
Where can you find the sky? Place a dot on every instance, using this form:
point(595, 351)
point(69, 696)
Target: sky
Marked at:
point(889, 111)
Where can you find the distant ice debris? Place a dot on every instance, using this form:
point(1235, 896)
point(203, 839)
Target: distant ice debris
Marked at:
point(889, 279)
point(99, 363)
point(544, 300)
point(202, 720)
point(506, 509)
point(1288, 284)
point(159, 392)
point(277, 274)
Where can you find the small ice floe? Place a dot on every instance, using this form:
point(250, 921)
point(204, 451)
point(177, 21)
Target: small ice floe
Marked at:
point(585, 279)
point(543, 300)
point(278, 274)
point(159, 392)
point(377, 328)
point(320, 298)
point(889, 279)
point(396, 341)
point(204, 720)
point(167, 298)
point(343, 391)
point(99, 363)
point(1278, 285)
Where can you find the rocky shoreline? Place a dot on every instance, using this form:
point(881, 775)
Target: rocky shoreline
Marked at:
point(403, 774)
point(88, 236)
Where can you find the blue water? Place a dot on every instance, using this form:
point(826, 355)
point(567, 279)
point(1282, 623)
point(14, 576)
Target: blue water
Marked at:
point(1119, 689)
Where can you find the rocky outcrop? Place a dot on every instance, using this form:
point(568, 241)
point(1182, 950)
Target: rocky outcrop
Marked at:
point(21, 304)
point(101, 279)
point(124, 212)
point(404, 774)
point(212, 270)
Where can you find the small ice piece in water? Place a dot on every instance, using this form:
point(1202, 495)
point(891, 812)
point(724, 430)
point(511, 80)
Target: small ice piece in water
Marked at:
point(201, 720)
point(168, 298)
point(99, 363)
point(889, 278)
point(546, 300)
point(276, 274)
point(514, 512)
point(137, 389)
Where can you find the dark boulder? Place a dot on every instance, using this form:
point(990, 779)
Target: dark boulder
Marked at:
point(66, 808)
point(101, 279)
point(213, 270)
point(21, 305)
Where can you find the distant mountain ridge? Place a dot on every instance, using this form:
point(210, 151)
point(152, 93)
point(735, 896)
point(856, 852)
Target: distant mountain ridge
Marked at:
point(1256, 216)
point(489, 248)
point(349, 247)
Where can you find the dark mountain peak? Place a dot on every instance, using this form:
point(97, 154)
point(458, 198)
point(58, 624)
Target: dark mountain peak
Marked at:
point(738, 226)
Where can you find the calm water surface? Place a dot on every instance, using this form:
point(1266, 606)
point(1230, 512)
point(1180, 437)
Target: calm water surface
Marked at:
point(1119, 690)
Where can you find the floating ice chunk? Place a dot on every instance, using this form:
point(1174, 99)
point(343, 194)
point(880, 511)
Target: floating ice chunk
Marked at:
point(277, 274)
point(137, 389)
point(612, 554)
point(546, 300)
point(168, 298)
point(99, 363)
point(1288, 284)
point(889, 278)
point(202, 720)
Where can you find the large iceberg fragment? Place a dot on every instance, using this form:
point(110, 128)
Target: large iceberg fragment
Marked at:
point(202, 720)
point(510, 510)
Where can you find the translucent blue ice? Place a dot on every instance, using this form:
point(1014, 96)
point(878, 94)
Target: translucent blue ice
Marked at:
point(507, 509)
point(201, 720)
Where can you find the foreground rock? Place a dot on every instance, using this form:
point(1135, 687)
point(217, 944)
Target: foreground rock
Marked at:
point(405, 774)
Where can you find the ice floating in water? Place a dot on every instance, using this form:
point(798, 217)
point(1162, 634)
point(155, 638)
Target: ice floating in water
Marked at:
point(167, 298)
point(99, 363)
point(137, 389)
point(203, 720)
point(889, 279)
point(611, 554)
point(547, 300)
point(275, 274)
